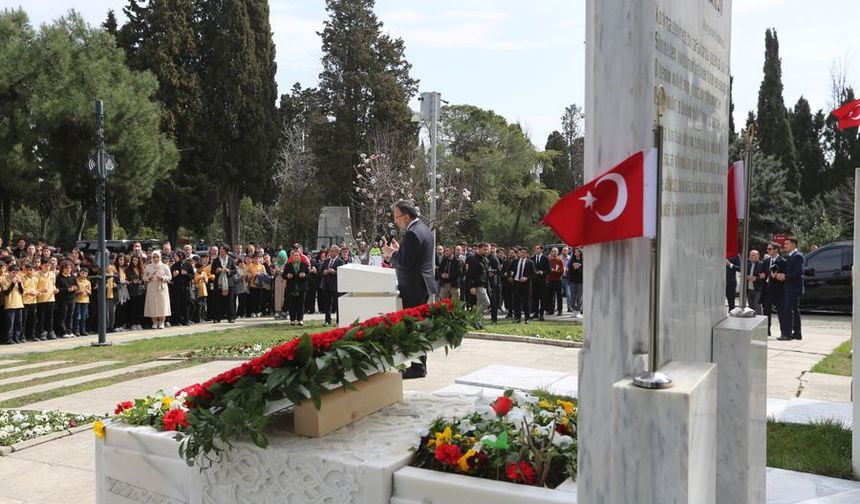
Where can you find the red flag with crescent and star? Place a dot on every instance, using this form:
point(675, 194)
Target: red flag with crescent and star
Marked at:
point(848, 115)
point(618, 204)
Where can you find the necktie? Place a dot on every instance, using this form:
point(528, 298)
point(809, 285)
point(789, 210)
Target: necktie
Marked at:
point(520, 269)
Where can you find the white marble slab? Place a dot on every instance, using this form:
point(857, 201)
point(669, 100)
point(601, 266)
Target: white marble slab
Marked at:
point(775, 407)
point(740, 352)
point(805, 411)
point(352, 308)
point(664, 441)
point(353, 465)
point(458, 389)
point(511, 377)
point(849, 497)
point(791, 487)
point(421, 486)
point(569, 386)
point(621, 75)
point(855, 332)
point(361, 278)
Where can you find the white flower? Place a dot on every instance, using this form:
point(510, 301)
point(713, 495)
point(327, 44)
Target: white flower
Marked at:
point(491, 438)
point(466, 426)
point(562, 441)
point(517, 415)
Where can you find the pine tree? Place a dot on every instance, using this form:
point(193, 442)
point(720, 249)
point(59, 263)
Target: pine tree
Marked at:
point(807, 130)
point(365, 86)
point(774, 131)
point(110, 24)
point(238, 133)
point(772, 206)
point(557, 173)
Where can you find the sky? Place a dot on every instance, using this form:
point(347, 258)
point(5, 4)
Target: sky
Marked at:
point(526, 60)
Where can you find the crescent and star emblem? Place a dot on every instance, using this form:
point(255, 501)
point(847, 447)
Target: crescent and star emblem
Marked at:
point(620, 200)
point(854, 113)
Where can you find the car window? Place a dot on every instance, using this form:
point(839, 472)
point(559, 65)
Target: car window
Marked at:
point(826, 260)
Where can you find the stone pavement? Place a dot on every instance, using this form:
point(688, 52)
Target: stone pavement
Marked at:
point(62, 470)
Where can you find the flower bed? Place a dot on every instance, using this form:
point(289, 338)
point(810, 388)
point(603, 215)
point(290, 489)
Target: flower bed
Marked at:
point(242, 350)
point(520, 438)
point(21, 425)
point(232, 405)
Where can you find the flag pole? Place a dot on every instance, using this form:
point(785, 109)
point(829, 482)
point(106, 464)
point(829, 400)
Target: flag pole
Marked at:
point(654, 379)
point(744, 311)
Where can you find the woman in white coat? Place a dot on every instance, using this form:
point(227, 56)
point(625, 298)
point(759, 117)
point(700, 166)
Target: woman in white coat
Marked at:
point(157, 277)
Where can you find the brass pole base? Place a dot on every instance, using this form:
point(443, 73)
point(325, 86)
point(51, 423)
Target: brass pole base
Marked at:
point(653, 380)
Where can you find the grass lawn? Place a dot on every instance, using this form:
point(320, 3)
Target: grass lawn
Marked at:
point(822, 448)
point(837, 363)
point(195, 348)
point(550, 329)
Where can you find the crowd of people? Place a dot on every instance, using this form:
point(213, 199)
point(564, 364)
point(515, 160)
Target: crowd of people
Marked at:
point(774, 285)
point(48, 293)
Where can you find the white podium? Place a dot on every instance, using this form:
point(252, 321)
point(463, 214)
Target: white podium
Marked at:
point(369, 291)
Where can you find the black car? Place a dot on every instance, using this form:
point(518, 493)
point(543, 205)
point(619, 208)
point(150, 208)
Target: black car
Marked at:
point(827, 278)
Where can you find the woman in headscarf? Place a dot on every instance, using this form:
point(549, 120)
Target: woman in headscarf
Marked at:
point(157, 277)
point(280, 283)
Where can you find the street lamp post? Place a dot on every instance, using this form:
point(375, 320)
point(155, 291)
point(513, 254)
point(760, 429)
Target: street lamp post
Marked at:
point(101, 165)
point(430, 106)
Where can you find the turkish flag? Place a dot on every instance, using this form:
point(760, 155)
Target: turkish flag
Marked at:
point(848, 115)
point(735, 207)
point(619, 204)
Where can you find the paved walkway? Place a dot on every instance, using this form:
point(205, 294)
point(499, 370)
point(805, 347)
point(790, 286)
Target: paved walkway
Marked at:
point(62, 471)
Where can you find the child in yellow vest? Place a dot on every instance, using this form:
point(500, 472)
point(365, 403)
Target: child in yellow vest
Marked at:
point(110, 289)
point(12, 286)
point(82, 303)
point(46, 285)
point(30, 293)
point(201, 278)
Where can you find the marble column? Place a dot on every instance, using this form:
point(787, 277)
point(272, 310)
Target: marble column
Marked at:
point(664, 440)
point(632, 47)
point(855, 330)
point(740, 352)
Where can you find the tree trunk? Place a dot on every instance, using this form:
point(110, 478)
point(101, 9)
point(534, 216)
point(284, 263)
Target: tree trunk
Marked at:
point(516, 224)
point(7, 218)
point(109, 206)
point(232, 202)
point(173, 232)
point(81, 223)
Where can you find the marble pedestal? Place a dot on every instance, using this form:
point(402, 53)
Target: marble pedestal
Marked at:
point(740, 352)
point(664, 441)
point(369, 291)
point(353, 465)
point(855, 329)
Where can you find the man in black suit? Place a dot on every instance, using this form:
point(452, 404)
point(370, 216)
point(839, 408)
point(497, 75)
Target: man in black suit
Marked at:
point(414, 263)
point(773, 294)
point(733, 265)
point(755, 276)
point(328, 283)
point(792, 279)
point(450, 271)
point(523, 271)
point(542, 268)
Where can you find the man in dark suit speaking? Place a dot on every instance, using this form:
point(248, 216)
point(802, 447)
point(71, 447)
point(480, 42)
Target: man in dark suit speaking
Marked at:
point(792, 279)
point(413, 261)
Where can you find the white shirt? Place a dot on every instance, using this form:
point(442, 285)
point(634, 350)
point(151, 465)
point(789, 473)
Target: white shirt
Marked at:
point(520, 267)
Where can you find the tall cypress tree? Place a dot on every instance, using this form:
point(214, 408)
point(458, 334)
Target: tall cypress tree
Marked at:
point(366, 86)
point(160, 36)
point(774, 131)
point(806, 130)
point(238, 131)
point(557, 173)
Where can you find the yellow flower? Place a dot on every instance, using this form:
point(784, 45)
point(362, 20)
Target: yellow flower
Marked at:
point(463, 461)
point(166, 401)
point(99, 428)
point(545, 404)
point(443, 437)
point(568, 406)
point(564, 420)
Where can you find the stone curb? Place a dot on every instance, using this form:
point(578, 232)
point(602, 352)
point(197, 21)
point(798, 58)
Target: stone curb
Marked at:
point(29, 443)
point(523, 339)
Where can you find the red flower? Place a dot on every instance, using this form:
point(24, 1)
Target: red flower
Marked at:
point(502, 405)
point(522, 471)
point(120, 407)
point(562, 429)
point(196, 392)
point(174, 419)
point(448, 454)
